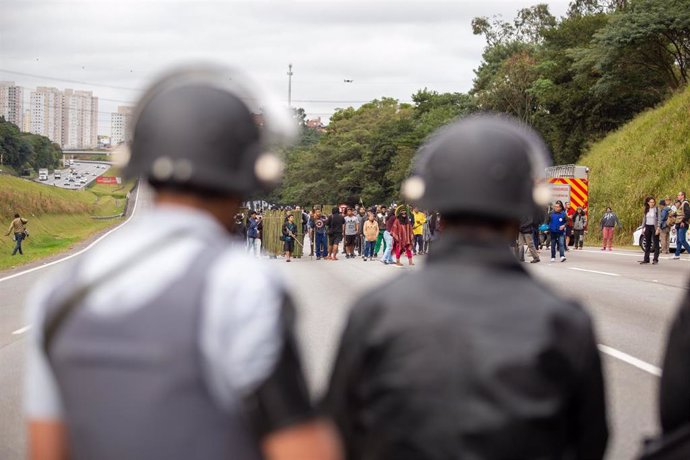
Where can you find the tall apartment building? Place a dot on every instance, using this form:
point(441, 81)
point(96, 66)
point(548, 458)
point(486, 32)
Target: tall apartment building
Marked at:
point(68, 118)
point(46, 113)
point(12, 103)
point(79, 120)
point(119, 125)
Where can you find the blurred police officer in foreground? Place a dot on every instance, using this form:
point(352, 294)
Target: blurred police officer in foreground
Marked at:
point(471, 358)
point(165, 341)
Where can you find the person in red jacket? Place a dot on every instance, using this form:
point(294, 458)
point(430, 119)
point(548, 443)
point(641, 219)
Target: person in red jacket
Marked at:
point(402, 236)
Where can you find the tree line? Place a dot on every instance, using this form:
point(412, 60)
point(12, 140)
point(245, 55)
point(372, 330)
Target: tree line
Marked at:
point(25, 151)
point(574, 79)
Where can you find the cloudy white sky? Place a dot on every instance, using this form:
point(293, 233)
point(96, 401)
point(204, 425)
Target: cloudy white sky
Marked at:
point(115, 47)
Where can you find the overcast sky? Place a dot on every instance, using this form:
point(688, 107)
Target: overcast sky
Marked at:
point(115, 47)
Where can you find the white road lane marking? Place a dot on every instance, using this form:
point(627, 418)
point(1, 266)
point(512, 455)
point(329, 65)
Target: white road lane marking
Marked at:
point(22, 330)
point(71, 256)
point(631, 254)
point(593, 271)
point(612, 253)
point(638, 363)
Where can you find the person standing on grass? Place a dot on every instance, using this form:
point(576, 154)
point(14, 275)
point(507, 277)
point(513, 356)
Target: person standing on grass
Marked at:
point(557, 223)
point(682, 225)
point(579, 226)
point(18, 228)
point(608, 223)
point(289, 232)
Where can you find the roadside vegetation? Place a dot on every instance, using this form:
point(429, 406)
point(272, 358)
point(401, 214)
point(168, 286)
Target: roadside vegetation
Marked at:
point(58, 218)
point(25, 152)
point(648, 156)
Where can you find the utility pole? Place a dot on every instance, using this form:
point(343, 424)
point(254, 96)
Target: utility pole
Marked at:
point(290, 85)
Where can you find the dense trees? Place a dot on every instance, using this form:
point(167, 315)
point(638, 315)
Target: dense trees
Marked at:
point(366, 153)
point(26, 151)
point(575, 79)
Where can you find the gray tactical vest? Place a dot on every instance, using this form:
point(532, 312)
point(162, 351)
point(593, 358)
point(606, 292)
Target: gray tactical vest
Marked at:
point(132, 385)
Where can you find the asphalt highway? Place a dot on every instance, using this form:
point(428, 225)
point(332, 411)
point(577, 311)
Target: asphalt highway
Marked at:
point(89, 171)
point(632, 306)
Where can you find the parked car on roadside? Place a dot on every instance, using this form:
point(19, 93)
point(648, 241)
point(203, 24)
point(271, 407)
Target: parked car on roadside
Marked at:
point(639, 240)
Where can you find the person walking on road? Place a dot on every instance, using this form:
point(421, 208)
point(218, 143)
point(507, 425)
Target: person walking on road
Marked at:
point(253, 240)
point(289, 232)
point(579, 228)
point(361, 219)
point(666, 224)
point(387, 257)
point(351, 233)
point(651, 222)
point(18, 230)
point(167, 341)
point(682, 226)
point(318, 229)
point(568, 225)
point(526, 238)
point(371, 232)
point(336, 227)
point(418, 231)
point(609, 222)
point(557, 223)
point(440, 365)
point(381, 218)
point(403, 238)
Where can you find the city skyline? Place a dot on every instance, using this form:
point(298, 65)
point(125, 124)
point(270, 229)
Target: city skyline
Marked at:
point(343, 53)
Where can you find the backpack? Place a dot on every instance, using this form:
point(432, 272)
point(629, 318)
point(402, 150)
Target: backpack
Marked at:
point(670, 219)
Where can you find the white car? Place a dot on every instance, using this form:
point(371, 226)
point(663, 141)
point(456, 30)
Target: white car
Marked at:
point(638, 239)
point(83, 180)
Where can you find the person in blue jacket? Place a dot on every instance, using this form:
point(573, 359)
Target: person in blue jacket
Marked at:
point(557, 223)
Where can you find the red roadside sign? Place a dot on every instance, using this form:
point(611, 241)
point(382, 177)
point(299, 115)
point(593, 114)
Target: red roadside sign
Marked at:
point(107, 180)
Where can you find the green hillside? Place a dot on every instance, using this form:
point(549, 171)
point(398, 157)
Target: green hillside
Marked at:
point(58, 218)
point(648, 156)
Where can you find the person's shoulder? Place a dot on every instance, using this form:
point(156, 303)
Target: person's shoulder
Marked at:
point(234, 267)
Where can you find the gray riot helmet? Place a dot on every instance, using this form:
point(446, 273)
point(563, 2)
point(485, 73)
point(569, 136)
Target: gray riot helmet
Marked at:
point(483, 166)
point(207, 129)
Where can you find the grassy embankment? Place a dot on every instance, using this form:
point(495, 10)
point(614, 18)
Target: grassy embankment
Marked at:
point(58, 218)
point(648, 156)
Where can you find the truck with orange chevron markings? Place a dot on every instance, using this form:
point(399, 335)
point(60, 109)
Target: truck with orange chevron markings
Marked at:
point(570, 184)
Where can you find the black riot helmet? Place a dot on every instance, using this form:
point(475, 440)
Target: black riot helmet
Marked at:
point(484, 166)
point(207, 129)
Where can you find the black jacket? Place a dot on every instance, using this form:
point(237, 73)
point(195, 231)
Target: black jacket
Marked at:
point(469, 359)
point(528, 224)
point(675, 380)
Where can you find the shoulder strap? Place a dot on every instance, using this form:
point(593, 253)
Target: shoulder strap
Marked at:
point(69, 304)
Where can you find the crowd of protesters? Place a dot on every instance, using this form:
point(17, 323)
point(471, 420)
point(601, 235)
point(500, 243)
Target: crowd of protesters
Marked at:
point(387, 233)
point(564, 227)
point(383, 233)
